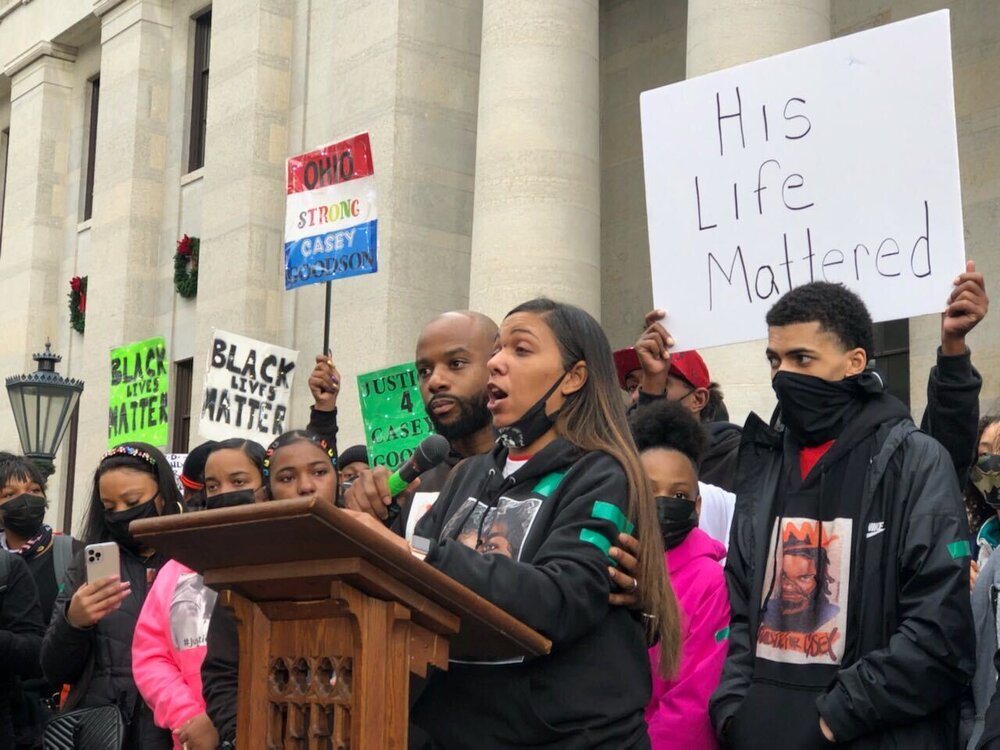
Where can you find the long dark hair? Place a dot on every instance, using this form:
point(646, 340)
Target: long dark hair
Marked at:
point(250, 449)
point(137, 457)
point(289, 438)
point(593, 419)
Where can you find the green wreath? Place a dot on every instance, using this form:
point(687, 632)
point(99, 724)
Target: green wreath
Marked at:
point(78, 303)
point(186, 267)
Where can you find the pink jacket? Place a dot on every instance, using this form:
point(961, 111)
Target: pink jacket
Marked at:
point(169, 645)
point(678, 712)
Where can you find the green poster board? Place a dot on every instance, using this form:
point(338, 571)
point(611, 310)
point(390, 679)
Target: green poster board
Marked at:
point(137, 406)
point(393, 413)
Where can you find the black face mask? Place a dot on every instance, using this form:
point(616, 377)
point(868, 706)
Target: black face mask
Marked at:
point(533, 423)
point(985, 476)
point(677, 517)
point(117, 521)
point(24, 514)
point(814, 410)
point(231, 499)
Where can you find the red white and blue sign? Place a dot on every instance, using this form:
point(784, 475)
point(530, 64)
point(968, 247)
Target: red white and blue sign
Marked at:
point(331, 223)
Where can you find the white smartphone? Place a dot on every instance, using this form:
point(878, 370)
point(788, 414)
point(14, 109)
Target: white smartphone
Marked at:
point(102, 561)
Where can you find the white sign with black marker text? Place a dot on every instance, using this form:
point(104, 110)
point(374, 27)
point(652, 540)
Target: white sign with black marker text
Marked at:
point(248, 386)
point(837, 162)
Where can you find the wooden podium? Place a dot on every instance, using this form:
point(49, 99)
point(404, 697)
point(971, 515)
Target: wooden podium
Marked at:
point(332, 620)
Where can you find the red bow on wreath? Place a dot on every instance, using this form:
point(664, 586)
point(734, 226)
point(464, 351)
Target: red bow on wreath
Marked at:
point(184, 246)
point(76, 284)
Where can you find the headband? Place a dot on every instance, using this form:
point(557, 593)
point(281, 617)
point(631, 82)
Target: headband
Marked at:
point(191, 484)
point(128, 450)
point(314, 439)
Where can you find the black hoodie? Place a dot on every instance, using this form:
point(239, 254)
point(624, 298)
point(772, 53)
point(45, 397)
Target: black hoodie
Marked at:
point(908, 644)
point(546, 534)
point(718, 465)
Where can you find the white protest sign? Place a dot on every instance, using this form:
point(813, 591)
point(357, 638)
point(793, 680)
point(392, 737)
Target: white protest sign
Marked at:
point(248, 386)
point(837, 162)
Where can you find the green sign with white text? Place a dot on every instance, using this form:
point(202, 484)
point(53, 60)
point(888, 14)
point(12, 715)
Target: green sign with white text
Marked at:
point(393, 413)
point(137, 406)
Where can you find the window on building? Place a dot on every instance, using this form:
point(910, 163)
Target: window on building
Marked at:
point(88, 186)
point(4, 138)
point(183, 376)
point(892, 357)
point(199, 89)
point(70, 469)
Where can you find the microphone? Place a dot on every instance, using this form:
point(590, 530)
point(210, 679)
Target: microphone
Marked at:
point(432, 451)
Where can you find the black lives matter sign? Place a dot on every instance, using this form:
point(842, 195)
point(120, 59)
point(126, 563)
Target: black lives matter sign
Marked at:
point(248, 387)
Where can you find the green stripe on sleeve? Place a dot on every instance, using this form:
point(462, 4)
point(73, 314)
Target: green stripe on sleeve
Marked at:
point(612, 513)
point(598, 540)
point(959, 549)
point(722, 635)
point(547, 484)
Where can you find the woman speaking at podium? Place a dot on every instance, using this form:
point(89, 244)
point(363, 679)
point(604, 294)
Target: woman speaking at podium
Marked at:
point(528, 527)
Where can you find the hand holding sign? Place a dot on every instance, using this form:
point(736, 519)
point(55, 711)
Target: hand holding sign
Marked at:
point(653, 350)
point(324, 384)
point(967, 306)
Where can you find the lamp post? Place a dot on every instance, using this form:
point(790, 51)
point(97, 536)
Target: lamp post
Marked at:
point(43, 403)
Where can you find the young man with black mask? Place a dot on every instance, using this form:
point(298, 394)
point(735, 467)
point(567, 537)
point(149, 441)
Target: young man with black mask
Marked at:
point(848, 561)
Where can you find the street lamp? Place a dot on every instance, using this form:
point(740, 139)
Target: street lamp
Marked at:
point(43, 403)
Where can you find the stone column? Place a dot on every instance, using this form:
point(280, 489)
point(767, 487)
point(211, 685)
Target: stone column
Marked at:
point(33, 232)
point(240, 276)
point(31, 287)
point(536, 217)
point(408, 73)
point(724, 33)
point(127, 266)
point(246, 146)
point(720, 34)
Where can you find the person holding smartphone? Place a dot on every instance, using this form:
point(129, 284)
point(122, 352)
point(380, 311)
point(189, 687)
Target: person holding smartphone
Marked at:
point(88, 644)
point(529, 527)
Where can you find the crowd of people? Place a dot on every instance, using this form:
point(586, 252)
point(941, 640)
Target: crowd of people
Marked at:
point(822, 578)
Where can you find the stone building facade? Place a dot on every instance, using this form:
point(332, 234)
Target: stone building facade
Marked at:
point(508, 161)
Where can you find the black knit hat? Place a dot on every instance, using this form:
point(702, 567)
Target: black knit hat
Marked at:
point(193, 473)
point(354, 454)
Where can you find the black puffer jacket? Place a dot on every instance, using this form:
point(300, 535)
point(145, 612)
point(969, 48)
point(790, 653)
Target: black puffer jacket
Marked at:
point(910, 639)
point(97, 661)
point(718, 465)
point(21, 631)
point(952, 414)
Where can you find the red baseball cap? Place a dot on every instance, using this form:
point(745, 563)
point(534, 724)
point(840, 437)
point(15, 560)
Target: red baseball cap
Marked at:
point(626, 360)
point(688, 366)
point(691, 367)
